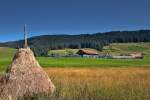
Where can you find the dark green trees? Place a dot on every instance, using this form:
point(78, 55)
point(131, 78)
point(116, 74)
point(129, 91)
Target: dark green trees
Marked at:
point(42, 44)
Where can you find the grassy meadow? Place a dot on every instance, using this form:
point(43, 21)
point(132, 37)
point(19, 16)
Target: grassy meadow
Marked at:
point(6, 55)
point(113, 49)
point(100, 83)
point(96, 79)
point(90, 62)
point(124, 48)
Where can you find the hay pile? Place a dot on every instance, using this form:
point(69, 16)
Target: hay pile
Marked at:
point(25, 76)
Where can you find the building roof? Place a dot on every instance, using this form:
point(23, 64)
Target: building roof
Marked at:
point(136, 53)
point(88, 52)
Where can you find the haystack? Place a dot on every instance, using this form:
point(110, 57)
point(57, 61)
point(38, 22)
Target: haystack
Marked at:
point(25, 76)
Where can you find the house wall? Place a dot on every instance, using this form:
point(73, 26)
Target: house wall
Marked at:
point(90, 56)
point(122, 57)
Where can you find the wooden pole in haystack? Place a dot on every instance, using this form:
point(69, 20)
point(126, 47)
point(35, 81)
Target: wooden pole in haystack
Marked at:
point(25, 36)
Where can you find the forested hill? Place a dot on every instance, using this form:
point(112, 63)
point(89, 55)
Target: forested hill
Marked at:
point(41, 44)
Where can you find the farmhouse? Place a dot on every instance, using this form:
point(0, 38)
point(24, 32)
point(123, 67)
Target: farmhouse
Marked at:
point(88, 53)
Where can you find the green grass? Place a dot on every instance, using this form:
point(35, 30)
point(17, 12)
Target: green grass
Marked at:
point(6, 52)
point(89, 62)
point(6, 55)
point(114, 49)
point(94, 79)
point(122, 48)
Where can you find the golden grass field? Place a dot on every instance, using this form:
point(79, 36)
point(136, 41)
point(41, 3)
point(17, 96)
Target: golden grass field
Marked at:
point(100, 83)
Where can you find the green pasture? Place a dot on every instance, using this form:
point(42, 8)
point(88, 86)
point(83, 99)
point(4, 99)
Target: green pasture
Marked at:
point(92, 82)
point(6, 55)
point(124, 48)
point(92, 62)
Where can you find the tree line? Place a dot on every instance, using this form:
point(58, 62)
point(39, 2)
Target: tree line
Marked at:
point(42, 44)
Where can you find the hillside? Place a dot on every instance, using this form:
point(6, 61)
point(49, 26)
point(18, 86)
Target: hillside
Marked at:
point(6, 55)
point(125, 48)
point(66, 52)
point(6, 52)
point(42, 44)
point(113, 49)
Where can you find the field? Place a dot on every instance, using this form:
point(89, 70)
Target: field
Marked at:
point(123, 48)
point(96, 79)
point(6, 55)
point(100, 83)
point(62, 52)
point(114, 49)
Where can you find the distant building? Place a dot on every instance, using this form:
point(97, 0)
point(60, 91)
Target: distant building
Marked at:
point(88, 53)
point(91, 54)
point(137, 55)
point(134, 55)
point(122, 57)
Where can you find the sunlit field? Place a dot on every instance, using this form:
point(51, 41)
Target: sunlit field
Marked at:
point(100, 83)
point(6, 55)
point(90, 62)
point(95, 79)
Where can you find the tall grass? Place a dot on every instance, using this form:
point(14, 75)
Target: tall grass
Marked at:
point(101, 84)
point(97, 84)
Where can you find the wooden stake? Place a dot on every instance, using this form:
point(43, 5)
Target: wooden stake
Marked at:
point(25, 36)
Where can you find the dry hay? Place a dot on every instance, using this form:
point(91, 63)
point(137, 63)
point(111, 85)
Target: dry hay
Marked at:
point(25, 77)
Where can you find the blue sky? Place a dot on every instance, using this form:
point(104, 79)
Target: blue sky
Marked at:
point(71, 16)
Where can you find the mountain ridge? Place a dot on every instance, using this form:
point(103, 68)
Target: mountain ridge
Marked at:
point(43, 43)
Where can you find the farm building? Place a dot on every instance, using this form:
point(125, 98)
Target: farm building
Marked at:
point(137, 55)
point(87, 53)
point(134, 55)
point(90, 54)
point(122, 57)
